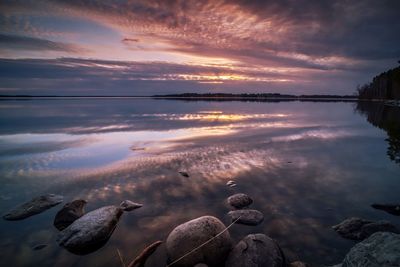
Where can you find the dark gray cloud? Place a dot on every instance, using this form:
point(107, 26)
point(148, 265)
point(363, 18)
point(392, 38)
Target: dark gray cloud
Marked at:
point(314, 45)
point(361, 30)
point(72, 76)
point(15, 42)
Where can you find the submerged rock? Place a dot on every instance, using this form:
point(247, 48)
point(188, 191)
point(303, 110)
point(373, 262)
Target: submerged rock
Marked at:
point(39, 246)
point(190, 235)
point(91, 231)
point(35, 206)
point(379, 250)
point(359, 229)
point(393, 209)
point(247, 217)
point(69, 213)
point(128, 205)
point(184, 174)
point(256, 250)
point(239, 201)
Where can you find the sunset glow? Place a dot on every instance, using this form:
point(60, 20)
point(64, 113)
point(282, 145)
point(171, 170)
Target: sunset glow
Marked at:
point(238, 46)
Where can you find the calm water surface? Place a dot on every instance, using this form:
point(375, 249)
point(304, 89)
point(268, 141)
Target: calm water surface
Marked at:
point(307, 165)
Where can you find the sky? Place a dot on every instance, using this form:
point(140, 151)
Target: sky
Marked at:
point(147, 47)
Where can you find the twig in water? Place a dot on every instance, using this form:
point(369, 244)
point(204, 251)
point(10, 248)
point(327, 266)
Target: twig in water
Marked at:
point(120, 258)
point(140, 260)
point(205, 243)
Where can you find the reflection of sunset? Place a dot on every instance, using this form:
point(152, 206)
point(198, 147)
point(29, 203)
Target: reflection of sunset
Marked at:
point(220, 116)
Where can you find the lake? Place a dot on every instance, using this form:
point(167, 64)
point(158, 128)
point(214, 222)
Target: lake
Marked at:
point(307, 165)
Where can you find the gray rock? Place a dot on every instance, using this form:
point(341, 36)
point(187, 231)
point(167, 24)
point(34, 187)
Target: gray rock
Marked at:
point(393, 209)
point(35, 206)
point(231, 183)
point(256, 250)
point(91, 231)
point(192, 234)
point(128, 205)
point(359, 229)
point(247, 217)
point(69, 213)
point(239, 201)
point(379, 250)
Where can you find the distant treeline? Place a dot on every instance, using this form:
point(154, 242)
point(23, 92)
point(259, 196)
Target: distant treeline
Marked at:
point(384, 86)
point(255, 95)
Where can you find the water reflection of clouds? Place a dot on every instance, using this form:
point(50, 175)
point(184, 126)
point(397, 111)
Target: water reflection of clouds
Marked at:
point(279, 158)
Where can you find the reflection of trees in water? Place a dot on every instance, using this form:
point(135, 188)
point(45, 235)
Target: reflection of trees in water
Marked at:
point(386, 118)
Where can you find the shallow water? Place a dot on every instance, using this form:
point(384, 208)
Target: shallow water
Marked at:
point(307, 165)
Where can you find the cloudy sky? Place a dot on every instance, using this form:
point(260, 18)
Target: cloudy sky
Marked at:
point(145, 47)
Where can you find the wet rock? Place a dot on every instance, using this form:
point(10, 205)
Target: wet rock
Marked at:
point(201, 265)
point(190, 235)
point(91, 231)
point(240, 200)
point(359, 229)
point(247, 217)
point(69, 213)
point(231, 183)
point(39, 246)
point(184, 174)
point(393, 209)
point(33, 207)
point(379, 250)
point(256, 250)
point(128, 205)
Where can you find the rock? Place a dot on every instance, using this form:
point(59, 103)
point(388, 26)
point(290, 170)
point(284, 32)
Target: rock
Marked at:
point(128, 205)
point(35, 206)
point(184, 174)
point(239, 201)
point(247, 217)
point(359, 229)
point(298, 264)
point(91, 231)
point(201, 265)
point(231, 183)
point(39, 246)
point(393, 209)
point(379, 250)
point(69, 213)
point(192, 234)
point(256, 250)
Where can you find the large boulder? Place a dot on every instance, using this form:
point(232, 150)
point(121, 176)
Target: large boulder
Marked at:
point(239, 201)
point(381, 249)
point(359, 229)
point(246, 217)
point(91, 231)
point(256, 250)
point(69, 213)
point(191, 235)
point(32, 207)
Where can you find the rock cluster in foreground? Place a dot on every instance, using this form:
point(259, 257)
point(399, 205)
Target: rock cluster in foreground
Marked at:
point(379, 250)
point(359, 229)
